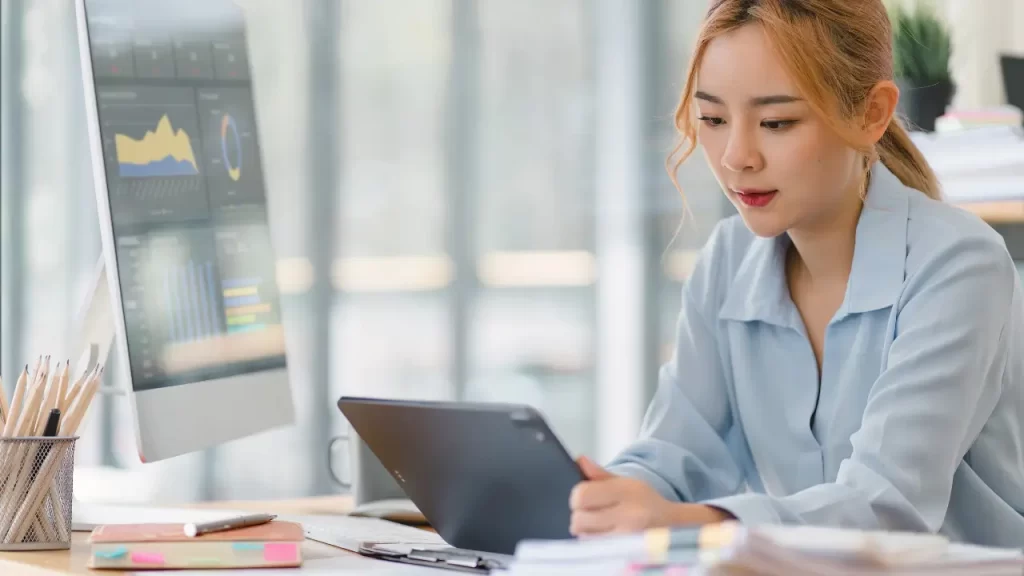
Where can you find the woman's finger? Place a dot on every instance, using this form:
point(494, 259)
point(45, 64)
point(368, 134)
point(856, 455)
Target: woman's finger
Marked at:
point(592, 470)
point(586, 522)
point(594, 495)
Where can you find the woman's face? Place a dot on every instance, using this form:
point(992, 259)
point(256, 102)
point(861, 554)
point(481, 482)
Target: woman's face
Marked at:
point(777, 161)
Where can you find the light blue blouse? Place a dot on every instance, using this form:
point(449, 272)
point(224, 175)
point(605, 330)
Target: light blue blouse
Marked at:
point(917, 422)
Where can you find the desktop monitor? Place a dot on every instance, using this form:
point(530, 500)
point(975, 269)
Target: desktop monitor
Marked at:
point(1013, 79)
point(183, 217)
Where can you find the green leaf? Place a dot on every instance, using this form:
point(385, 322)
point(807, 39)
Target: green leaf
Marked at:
point(922, 47)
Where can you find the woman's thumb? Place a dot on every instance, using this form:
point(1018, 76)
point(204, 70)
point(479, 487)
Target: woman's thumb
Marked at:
point(591, 470)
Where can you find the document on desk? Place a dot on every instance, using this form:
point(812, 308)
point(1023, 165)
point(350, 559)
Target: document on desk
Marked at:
point(351, 533)
point(323, 567)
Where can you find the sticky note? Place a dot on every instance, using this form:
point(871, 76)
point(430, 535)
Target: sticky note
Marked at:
point(112, 554)
point(242, 546)
point(281, 552)
point(147, 558)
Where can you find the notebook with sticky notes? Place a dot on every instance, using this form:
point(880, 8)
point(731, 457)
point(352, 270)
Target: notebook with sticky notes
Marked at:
point(275, 544)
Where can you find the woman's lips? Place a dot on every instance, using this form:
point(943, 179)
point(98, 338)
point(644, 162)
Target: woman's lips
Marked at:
point(757, 198)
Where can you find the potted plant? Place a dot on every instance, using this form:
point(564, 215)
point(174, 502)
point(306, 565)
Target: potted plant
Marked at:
point(921, 54)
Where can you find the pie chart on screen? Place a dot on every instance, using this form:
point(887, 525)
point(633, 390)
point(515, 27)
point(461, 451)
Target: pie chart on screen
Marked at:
point(231, 147)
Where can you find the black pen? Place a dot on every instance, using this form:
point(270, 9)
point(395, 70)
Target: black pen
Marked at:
point(192, 530)
point(52, 423)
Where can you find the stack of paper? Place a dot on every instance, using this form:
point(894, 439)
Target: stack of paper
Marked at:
point(730, 548)
point(979, 165)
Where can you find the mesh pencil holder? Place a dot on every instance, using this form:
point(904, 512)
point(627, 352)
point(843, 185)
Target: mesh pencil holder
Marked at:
point(36, 488)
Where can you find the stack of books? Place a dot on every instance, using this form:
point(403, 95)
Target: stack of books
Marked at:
point(170, 546)
point(732, 549)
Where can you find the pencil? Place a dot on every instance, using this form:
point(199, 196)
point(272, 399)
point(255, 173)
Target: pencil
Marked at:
point(74, 390)
point(77, 411)
point(3, 403)
point(9, 469)
point(62, 389)
point(8, 448)
point(48, 403)
point(27, 420)
point(19, 393)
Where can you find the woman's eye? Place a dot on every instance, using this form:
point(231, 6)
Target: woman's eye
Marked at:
point(711, 120)
point(776, 125)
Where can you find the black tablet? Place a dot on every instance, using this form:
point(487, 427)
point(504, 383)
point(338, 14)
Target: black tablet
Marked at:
point(484, 475)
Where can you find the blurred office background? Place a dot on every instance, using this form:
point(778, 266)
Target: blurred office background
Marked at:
point(468, 201)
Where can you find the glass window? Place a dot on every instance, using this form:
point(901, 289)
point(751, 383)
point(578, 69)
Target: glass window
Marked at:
point(390, 323)
point(532, 322)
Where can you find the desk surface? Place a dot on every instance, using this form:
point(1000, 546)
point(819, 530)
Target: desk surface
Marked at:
point(73, 561)
point(1007, 212)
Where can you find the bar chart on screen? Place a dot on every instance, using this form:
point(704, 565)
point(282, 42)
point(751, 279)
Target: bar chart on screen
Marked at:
point(244, 309)
point(190, 293)
point(248, 283)
point(171, 291)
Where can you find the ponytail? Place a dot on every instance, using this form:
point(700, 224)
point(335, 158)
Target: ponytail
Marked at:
point(899, 154)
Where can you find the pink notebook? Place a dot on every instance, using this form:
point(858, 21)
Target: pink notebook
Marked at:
point(165, 546)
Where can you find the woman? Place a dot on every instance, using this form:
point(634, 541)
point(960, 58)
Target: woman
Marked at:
point(850, 348)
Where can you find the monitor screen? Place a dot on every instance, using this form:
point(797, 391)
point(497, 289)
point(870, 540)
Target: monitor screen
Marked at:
point(185, 189)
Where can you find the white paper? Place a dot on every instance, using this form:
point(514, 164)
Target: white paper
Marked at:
point(977, 165)
point(348, 532)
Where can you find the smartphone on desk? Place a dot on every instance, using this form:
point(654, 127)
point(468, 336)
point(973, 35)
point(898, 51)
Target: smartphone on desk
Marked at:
point(484, 475)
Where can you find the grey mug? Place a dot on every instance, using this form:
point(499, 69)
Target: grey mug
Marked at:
point(368, 480)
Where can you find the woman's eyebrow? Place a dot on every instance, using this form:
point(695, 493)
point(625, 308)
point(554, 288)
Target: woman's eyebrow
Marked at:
point(756, 101)
point(701, 95)
point(774, 99)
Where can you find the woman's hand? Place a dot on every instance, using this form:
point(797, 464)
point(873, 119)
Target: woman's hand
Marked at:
point(605, 503)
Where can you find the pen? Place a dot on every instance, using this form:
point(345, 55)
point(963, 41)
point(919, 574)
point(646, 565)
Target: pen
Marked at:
point(192, 530)
point(52, 426)
point(52, 423)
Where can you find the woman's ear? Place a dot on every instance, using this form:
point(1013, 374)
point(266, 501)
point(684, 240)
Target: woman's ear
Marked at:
point(879, 109)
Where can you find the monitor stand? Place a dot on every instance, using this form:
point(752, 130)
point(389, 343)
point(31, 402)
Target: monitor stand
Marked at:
point(94, 327)
point(94, 334)
point(93, 337)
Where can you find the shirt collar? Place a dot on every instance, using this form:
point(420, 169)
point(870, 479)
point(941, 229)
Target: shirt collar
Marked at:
point(759, 290)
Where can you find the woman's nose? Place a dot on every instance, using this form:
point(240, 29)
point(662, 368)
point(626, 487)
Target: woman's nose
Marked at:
point(742, 153)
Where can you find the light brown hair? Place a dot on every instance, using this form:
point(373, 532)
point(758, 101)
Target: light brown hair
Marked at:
point(836, 51)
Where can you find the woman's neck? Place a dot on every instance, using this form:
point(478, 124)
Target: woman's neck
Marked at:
point(823, 254)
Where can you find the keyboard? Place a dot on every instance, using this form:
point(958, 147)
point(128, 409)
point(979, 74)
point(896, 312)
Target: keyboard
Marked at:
point(350, 532)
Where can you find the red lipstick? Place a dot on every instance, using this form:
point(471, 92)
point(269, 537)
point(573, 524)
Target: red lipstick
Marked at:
point(755, 197)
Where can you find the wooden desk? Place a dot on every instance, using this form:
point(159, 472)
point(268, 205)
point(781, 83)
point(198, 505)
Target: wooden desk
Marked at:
point(1008, 212)
point(73, 561)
